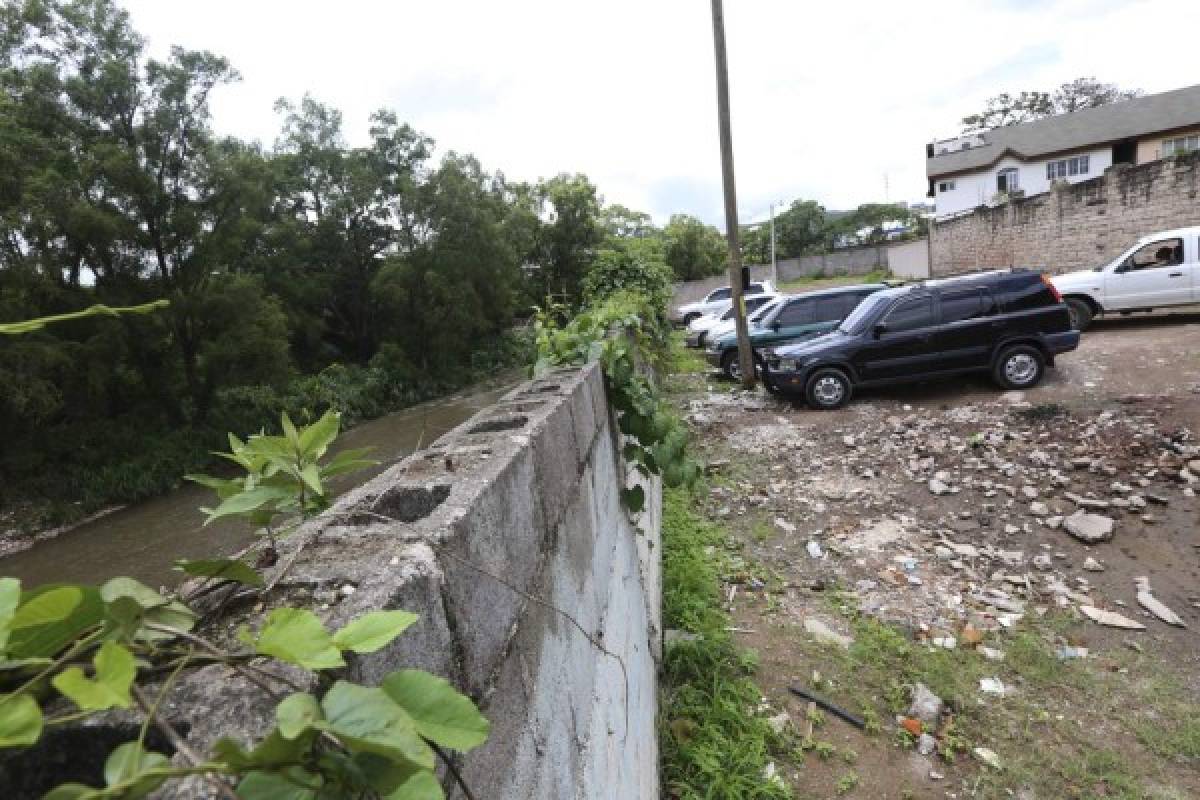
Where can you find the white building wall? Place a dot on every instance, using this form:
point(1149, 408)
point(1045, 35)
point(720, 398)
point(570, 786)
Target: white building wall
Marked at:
point(975, 189)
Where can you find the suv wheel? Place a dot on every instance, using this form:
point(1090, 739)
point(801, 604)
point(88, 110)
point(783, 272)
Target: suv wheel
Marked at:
point(687, 318)
point(1081, 313)
point(1020, 367)
point(827, 389)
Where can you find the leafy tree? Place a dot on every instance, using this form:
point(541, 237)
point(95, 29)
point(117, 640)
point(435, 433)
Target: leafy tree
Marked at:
point(1081, 93)
point(693, 249)
point(800, 229)
point(568, 240)
point(626, 223)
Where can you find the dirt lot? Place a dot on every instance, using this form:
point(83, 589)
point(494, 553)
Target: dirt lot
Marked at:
point(923, 535)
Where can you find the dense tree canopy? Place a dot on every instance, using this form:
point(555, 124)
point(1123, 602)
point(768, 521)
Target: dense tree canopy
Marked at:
point(306, 274)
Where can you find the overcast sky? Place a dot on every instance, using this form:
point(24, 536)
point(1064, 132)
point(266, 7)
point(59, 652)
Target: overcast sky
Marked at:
point(828, 97)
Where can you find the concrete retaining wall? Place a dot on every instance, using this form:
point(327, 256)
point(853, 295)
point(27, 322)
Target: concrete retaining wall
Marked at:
point(851, 261)
point(519, 502)
point(909, 260)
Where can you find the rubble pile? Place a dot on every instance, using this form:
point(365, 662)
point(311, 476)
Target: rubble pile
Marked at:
point(959, 520)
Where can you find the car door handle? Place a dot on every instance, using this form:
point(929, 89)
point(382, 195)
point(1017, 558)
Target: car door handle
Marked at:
point(1175, 275)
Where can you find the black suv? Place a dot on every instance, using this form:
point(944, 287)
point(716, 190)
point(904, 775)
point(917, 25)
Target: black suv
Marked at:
point(1011, 324)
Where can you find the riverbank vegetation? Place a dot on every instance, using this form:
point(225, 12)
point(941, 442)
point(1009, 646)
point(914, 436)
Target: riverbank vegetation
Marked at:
point(302, 276)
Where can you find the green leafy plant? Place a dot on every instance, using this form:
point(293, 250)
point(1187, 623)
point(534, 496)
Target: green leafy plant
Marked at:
point(283, 473)
point(71, 651)
point(628, 335)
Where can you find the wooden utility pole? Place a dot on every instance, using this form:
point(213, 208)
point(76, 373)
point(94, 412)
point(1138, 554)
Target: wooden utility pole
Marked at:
point(745, 354)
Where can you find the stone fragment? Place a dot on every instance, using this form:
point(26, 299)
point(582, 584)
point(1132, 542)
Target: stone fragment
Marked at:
point(938, 487)
point(1110, 619)
point(784, 525)
point(1039, 509)
point(1148, 601)
point(1089, 528)
point(825, 634)
point(926, 706)
point(926, 744)
point(987, 756)
point(1092, 565)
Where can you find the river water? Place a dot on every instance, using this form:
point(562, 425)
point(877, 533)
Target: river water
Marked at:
point(143, 540)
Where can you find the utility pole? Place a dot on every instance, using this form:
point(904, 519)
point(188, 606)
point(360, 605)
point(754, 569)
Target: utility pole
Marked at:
point(774, 262)
point(745, 354)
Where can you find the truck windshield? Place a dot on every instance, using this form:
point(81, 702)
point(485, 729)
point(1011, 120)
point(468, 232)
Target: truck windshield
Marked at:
point(860, 314)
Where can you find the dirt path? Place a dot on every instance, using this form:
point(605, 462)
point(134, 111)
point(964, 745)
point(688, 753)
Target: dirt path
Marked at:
point(928, 526)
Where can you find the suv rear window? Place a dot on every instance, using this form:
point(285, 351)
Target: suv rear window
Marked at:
point(909, 315)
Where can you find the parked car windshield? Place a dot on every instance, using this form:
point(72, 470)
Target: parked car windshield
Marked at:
point(861, 313)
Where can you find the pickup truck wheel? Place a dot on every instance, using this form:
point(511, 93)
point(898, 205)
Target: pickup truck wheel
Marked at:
point(1020, 367)
point(827, 389)
point(1081, 313)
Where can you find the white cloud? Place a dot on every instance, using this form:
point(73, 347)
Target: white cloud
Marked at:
point(828, 98)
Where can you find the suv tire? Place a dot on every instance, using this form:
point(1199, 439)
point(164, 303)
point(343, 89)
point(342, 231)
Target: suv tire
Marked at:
point(1019, 367)
point(827, 389)
point(1081, 313)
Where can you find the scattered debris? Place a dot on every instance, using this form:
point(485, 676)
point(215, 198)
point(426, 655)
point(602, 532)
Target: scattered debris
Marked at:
point(1148, 601)
point(837, 711)
point(1110, 619)
point(992, 686)
point(926, 706)
point(1089, 528)
point(825, 634)
point(987, 756)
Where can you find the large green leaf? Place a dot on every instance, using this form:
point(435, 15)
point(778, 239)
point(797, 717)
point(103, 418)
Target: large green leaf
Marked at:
point(42, 632)
point(289, 430)
point(273, 751)
point(120, 593)
point(366, 719)
point(230, 569)
point(72, 791)
point(48, 607)
point(247, 501)
point(311, 475)
point(10, 596)
point(347, 461)
point(298, 637)
point(441, 713)
point(421, 786)
point(296, 714)
point(316, 438)
point(292, 783)
point(115, 671)
point(373, 630)
point(127, 763)
point(20, 720)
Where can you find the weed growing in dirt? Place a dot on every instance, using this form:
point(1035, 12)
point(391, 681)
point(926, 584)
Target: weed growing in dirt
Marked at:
point(713, 743)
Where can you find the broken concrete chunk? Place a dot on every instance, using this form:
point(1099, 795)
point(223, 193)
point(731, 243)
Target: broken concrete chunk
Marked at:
point(825, 634)
point(1148, 601)
point(938, 487)
point(926, 706)
point(1039, 509)
point(1092, 565)
point(987, 756)
point(784, 525)
point(926, 744)
point(1110, 619)
point(1089, 528)
point(1086, 502)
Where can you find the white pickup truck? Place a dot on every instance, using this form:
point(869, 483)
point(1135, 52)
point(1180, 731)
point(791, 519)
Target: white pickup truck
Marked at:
point(1158, 271)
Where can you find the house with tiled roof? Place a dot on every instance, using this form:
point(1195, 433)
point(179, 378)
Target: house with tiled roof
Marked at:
point(981, 169)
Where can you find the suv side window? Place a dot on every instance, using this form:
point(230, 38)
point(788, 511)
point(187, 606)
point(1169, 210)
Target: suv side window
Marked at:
point(966, 304)
point(718, 294)
point(799, 312)
point(755, 288)
point(909, 315)
point(834, 310)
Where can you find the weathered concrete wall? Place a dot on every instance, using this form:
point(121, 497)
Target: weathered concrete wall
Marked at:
point(850, 261)
point(1072, 227)
point(909, 259)
point(520, 502)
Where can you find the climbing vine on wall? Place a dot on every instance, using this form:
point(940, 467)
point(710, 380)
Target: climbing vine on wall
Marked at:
point(629, 335)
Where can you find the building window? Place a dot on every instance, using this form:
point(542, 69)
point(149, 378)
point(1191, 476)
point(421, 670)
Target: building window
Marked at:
point(1180, 145)
point(1079, 165)
point(1006, 180)
point(946, 186)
